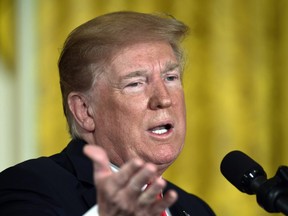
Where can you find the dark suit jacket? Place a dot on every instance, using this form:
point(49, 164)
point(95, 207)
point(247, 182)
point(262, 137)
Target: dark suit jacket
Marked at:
point(62, 185)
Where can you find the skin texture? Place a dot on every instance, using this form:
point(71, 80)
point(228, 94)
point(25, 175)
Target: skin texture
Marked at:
point(134, 118)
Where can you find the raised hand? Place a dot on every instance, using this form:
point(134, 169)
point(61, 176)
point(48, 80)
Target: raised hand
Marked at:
point(123, 193)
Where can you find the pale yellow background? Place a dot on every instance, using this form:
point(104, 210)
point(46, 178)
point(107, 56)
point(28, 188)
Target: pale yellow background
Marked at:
point(236, 84)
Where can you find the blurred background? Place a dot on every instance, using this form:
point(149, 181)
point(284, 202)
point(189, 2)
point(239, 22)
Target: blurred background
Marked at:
point(236, 85)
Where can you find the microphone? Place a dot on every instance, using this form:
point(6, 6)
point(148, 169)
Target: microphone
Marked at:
point(249, 177)
point(243, 172)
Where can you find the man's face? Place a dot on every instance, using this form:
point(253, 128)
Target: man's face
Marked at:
point(138, 105)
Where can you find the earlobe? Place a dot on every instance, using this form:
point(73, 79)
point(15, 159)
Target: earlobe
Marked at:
point(81, 111)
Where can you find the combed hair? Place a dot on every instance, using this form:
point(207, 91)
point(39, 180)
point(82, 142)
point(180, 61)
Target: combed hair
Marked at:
point(92, 45)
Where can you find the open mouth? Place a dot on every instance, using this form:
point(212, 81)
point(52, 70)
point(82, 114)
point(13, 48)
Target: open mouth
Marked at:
point(162, 129)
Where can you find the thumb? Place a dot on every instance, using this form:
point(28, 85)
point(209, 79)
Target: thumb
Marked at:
point(101, 168)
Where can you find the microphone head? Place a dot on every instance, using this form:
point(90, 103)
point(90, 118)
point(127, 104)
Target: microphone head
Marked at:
point(241, 171)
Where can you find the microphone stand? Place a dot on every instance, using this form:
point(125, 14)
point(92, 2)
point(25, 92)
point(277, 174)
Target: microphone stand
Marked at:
point(272, 195)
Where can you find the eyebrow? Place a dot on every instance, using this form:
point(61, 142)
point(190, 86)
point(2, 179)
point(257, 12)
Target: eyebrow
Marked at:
point(168, 67)
point(135, 74)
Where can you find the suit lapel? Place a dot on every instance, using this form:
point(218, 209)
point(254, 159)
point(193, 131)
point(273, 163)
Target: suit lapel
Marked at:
point(177, 208)
point(83, 169)
point(81, 164)
point(89, 196)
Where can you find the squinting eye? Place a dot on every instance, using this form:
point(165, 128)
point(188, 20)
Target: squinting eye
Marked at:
point(134, 87)
point(171, 78)
point(136, 84)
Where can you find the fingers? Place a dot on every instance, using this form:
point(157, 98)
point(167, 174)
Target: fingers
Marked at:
point(127, 171)
point(123, 191)
point(99, 159)
point(133, 174)
point(152, 197)
point(142, 178)
point(169, 199)
point(128, 183)
point(148, 203)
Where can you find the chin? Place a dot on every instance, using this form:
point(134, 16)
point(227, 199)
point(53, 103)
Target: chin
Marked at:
point(163, 165)
point(162, 155)
point(165, 158)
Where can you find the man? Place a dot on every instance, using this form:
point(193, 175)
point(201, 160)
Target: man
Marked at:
point(120, 77)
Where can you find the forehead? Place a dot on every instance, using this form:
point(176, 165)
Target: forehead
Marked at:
point(143, 56)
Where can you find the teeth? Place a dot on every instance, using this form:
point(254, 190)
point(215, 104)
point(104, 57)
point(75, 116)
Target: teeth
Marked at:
point(160, 131)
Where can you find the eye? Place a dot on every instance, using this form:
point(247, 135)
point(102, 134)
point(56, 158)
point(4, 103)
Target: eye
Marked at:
point(134, 87)
point(134, 84)
point(171, 78)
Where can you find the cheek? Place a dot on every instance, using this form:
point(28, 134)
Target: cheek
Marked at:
point(184, 109)
point(131, 108)
point(181, 112)
point(179, 100)
point(120, 115)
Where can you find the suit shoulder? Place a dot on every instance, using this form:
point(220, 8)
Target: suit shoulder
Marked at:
point(35, 174)
point(25, 174)
point(38, 185)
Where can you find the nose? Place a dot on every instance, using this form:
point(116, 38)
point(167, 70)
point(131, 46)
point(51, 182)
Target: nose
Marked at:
point(160, 97)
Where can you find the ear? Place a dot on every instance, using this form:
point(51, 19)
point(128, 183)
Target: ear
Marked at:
point(81, 111)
